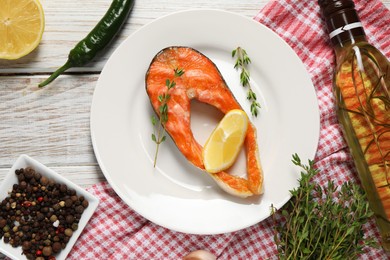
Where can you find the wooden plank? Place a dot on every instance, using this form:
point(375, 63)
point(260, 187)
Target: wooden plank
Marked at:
point(50, 124)
point(67, 22)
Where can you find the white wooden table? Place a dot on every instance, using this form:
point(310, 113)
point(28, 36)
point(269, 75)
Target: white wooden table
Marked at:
point(52, 124)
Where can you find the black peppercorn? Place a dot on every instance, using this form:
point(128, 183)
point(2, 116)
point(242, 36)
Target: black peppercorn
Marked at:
point(85, 203)
point(40, 216)
point(55, 192)
point(3, 222)
point(56, 206)
point(44, 180)
point(26, 245)
point(37, 176)
point(75, 226)
point(33, 181)
point(28, 173)
point(68, 203)
point(80, 209)
point(23, 185)
point(69, 219)
point(29, 189)
point(26, 228)
point(56, 247)
point(63, 188)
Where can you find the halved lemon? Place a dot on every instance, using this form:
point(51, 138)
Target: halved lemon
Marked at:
point(21, 27)
point(225, 142)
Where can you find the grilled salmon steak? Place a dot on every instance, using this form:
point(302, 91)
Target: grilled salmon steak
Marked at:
point(202, 81)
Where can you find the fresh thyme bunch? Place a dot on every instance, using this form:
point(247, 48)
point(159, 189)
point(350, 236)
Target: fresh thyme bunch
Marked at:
point(322, 222)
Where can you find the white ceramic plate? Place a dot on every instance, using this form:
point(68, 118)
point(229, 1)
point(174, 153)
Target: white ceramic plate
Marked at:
point(6, 185)
point(177, 195)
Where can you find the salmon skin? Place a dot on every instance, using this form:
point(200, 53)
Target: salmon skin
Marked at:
point(202, 81)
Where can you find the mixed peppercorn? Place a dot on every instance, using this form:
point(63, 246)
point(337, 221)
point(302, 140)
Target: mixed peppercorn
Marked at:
point(40, 215)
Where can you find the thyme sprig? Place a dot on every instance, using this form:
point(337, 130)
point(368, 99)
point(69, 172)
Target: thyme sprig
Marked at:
point(322, 222)
point(158, 135)
point(242, 61)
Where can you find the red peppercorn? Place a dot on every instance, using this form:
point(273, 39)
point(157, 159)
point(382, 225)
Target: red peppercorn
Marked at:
point(60, 230)
point(40, 199)
point(39, 252)
point(52, 257)
point(27, 204)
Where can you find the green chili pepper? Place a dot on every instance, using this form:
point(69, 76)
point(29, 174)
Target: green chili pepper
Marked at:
point(97, 39)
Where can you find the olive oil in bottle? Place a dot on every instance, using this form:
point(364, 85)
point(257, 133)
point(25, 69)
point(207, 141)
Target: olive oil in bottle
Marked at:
point(361, 87)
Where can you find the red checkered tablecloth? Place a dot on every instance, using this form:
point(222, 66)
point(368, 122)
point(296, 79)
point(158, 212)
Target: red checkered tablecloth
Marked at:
point(117, 232)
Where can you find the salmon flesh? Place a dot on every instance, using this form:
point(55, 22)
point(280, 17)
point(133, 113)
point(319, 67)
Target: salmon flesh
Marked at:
point(201, 81)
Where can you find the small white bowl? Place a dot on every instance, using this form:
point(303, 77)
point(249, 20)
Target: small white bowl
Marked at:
point(6, 186)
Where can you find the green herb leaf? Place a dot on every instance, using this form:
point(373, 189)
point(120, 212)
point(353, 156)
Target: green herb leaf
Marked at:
point(242, 61)
point(171, 85)
point(154, 120)
point(178, 72)
point(159, 137)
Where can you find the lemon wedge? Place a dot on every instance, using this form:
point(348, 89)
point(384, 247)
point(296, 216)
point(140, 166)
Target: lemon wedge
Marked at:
point(224, 144)
point(21, 27)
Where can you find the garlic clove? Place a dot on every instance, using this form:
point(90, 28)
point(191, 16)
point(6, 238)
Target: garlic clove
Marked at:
point(200, 255)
